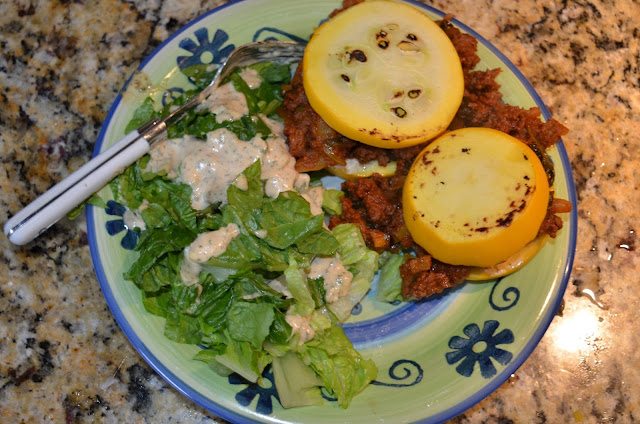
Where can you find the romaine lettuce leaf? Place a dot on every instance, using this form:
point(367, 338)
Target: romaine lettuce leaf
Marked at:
point(362, 262)
point(363, 272)
point(144, 113)
point(331, 201)
point(212, 306)
point(320, 243)
point(155, 245)
point(242, 358)
point(181, 327)
point(157, 303)
point(250, 322)
point(389, 280)
point(343, 370)
point(297, 285)
point(288, 220)
point(201, 74)
point(296, 382)
point(352, 246)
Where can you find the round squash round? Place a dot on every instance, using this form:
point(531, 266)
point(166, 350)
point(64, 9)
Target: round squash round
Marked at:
point(384, 74)
point(475, 197)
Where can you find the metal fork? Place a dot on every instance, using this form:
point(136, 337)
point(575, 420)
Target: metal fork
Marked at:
point(47, 209)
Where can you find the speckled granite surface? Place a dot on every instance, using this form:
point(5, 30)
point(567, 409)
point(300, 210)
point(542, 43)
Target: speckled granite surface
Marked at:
point(62, 355)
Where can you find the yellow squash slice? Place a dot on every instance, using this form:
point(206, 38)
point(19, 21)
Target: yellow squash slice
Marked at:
point(475, 196)
point(384, 74)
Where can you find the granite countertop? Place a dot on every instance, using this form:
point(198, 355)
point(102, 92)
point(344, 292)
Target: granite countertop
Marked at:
point(63, 357)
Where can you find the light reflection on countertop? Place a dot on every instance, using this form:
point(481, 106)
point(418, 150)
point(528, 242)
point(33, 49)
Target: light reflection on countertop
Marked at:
point(575, 332)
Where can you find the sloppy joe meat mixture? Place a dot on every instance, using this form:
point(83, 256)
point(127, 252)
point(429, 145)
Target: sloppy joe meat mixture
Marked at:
point(374, 203)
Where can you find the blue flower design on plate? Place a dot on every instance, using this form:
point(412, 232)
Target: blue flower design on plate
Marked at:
point(205, 51)
point(480, 347)
point(264, 393)
point(116, 226)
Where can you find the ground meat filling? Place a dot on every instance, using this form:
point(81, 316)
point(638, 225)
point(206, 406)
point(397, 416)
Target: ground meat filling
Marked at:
point(374, 203)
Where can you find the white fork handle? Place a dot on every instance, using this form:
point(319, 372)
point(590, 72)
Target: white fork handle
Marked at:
point(47, 209)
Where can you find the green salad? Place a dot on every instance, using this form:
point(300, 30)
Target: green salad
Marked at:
point(254, 304)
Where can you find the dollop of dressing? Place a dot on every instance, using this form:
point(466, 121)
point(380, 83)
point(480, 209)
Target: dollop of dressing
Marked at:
point(210, 166)
point(337, 279)
point(212, 243)
point(278, 169)
point(227, 103)
point(190, 269)
point(314, 196)
point(251, 77)
point(301, 326)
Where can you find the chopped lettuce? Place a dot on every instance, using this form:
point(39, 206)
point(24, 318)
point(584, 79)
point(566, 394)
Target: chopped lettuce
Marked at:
point(363, 263)
point(343, 370)
point(94, 200)
point(331, 201)
point(352, 246)
point(241, 357)
point(389, 280)
point(296, 382)
point(143, 114)
point(200, 75)
point(288, 220)
point(297, 285)
point(236, 304)
point(250, 322)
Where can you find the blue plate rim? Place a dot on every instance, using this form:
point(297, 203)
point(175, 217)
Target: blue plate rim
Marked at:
point(449, 413)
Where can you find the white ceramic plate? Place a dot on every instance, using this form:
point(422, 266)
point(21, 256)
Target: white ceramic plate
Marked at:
point(436, 358)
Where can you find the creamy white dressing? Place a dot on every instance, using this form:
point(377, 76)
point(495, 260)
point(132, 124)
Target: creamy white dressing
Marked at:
point(278, 168)
point(227, 103)
point(190, 269)
point(210, 166)
point(133, 219)
point(251, 77)
point(212, 243)
point(144, 205)
point(314, 196)
point(337, 279)
point(167, 155)
point(301, 326)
